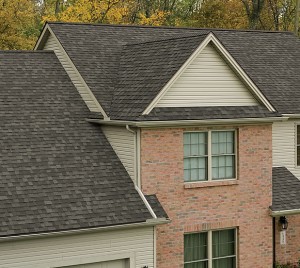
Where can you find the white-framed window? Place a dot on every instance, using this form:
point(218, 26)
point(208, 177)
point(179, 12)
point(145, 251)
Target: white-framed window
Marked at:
point(211, 249)
point(209, 155)
point(298, 145)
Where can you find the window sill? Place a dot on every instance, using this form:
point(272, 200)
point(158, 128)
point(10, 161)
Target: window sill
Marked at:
point(202, 184)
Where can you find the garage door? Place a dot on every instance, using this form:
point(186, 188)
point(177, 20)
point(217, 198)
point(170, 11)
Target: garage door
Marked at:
point(106, 264)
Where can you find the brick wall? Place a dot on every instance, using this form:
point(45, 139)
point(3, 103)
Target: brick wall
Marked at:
point(291, 251)
point(203, 206)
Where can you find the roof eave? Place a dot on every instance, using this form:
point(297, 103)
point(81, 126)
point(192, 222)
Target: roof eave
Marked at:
point(278, 213)
point(292, 115)
point(147, 223)
point(174, 123)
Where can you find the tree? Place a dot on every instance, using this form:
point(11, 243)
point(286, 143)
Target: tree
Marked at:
point(18, 24)
point(93, 11)
point(253, 10)
point(228, 14)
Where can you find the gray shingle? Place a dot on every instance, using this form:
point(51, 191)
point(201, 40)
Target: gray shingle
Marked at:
point(57, 171)
point(286, 190)
point(156, 206)
point(102, 53)
point(202, 113)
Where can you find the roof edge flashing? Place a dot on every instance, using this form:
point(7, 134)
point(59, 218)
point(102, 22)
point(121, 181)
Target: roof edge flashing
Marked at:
point(189, 122)
point(146, 223)
point(284, 212)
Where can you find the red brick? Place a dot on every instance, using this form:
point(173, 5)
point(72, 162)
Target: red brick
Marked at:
point(244, 205)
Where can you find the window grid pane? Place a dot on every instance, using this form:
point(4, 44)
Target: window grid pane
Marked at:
point(223, 155)
point(195, 156)
point(223, 249)
point(195, 248)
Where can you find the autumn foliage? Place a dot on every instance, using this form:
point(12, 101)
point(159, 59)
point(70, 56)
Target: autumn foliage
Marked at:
point(22, 20)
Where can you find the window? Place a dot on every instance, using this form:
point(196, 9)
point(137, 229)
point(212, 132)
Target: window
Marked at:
point(298, 145)
point(212, 249)
point(209, 155)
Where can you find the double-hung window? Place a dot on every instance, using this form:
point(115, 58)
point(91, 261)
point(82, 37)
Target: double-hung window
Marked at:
point(212, 249)
point(209, 155)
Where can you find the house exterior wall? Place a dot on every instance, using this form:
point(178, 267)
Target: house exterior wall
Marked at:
point(123, 143)
point(207, 81)
point(284, 145)
point(285, 154)
point(135, 244)
point(291, 251)
point(198, 207)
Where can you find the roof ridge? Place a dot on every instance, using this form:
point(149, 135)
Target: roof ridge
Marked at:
point(168, 27)
point(167, 39)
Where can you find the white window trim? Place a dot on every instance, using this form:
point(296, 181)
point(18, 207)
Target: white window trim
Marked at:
point(209, 244)
point(209, 156)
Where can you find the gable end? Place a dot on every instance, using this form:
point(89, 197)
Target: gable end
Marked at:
point(48, 41)
point(210, 77)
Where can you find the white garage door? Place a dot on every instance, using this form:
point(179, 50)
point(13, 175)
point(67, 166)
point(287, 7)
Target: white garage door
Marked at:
point(106, 264)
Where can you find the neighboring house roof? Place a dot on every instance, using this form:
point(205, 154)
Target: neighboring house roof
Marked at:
point(126, 66)
point(286, 189)
point(57, 171)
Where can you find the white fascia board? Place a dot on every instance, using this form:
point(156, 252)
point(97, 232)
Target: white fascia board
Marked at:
point(47, 28)
point(212, 38)
point(284, 212)
point(41, 37)
point(146, 202)
point(292, 116)
point(180, 123)
point(148, 223)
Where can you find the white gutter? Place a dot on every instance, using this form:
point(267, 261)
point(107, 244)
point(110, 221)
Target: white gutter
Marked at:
point(147, 223)
point(292, 115)
point(146, 202)
point(284, 212)
point(188, 122)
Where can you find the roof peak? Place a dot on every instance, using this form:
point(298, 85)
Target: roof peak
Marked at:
point(167, 27)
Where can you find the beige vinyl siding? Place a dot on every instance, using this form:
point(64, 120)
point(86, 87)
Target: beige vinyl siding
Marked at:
point(77, 249)
point(52, 44)
point(207, 81)
point(123, 143)
point(284, 145)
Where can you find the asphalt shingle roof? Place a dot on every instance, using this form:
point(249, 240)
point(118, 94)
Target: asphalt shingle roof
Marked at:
point(156, 206)
point(102, 53)
point(57, 171)
point(201, 113)
point(286, 190)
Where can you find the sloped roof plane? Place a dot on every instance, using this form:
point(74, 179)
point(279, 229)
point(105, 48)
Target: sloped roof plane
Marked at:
point(57, 171)
point(101, 53)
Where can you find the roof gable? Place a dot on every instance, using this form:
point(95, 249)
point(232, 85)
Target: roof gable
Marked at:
point(48, 41)
point(209, 77)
